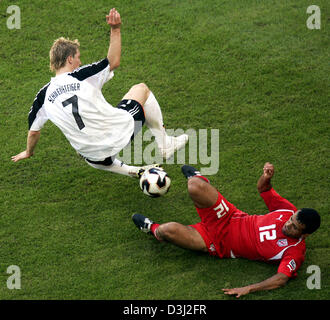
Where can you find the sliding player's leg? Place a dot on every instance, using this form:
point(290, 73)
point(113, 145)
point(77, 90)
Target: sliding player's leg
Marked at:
point(154, 120)
point(116, 166)
point(214, 210)
point(180, 235)
point(190, 237)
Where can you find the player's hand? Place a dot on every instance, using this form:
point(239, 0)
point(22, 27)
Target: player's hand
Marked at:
point(238, 291)
point(21, 156)
point(268, 170)
point(113, 19)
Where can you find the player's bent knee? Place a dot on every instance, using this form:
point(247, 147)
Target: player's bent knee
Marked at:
point(139, 92)
point(202, 193)
point(167, 230)
point(195, 186)
point(142, 87)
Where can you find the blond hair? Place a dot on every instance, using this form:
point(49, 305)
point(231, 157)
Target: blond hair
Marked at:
point(61, 49)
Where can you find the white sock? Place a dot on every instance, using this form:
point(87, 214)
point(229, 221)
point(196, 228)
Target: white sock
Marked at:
point(154, 120)
point(117, 167)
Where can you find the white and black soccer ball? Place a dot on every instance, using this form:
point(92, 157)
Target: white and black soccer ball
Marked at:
point(155, 182)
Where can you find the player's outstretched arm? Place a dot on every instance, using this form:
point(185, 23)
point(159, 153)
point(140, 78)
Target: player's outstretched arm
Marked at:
point(264, 182)
point(274, 282)
point(114, 52)
point(32, 140)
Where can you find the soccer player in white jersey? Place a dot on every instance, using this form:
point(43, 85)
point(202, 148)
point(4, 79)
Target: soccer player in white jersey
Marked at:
point(74, 102)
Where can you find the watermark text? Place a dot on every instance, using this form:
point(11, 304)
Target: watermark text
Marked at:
point(14, 281)
point(314, 20)
point(202, 148)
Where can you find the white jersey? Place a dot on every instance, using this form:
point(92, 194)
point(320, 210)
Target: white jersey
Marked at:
point(75, 104)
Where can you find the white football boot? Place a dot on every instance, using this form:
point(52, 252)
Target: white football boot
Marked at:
point(138, 171)
point(172, 145)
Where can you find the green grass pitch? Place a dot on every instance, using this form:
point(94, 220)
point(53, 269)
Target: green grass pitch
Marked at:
point(251, 69)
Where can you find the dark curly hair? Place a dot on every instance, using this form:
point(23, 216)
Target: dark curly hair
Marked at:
point(310, 218)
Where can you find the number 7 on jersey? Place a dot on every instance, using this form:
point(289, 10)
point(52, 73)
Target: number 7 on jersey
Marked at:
point(75, 111)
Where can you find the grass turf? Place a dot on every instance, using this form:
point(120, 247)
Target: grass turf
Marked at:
point(250, 69)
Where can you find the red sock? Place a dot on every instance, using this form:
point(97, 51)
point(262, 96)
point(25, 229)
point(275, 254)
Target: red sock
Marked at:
point(202, 177)
point(153, 229)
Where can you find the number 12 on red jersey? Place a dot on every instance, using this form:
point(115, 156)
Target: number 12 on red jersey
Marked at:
point(267, 232)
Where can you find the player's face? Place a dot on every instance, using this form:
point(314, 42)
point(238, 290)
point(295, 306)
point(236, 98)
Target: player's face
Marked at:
point(293, 228)
point(76, 63)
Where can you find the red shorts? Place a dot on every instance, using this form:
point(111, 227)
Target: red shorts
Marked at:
point(214, 225)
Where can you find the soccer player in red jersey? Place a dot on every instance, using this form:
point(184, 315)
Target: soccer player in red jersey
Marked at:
point(225, 231)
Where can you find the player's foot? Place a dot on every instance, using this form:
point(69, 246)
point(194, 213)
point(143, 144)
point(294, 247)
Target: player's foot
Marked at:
point(189, 171)
point(142, 223)
point(173, 144)
point(138, 171)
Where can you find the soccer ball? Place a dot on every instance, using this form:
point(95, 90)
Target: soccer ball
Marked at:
point(155, 182)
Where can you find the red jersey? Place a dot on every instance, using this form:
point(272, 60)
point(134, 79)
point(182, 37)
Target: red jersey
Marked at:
point(229, 232)
point(260, 237)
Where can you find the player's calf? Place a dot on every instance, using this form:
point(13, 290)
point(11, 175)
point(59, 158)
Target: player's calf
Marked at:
point(180, 235)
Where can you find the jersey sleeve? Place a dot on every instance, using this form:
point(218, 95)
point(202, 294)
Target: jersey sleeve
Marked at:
point(97, 74)
point(292, 260)
point(275, 202)
point(37, 115)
